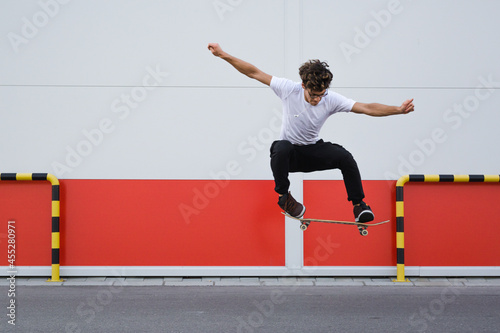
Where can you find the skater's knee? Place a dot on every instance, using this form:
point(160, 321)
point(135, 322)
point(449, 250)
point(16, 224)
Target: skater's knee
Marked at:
point(347, 161)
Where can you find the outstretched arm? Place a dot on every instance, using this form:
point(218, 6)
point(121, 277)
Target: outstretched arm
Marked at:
point(381, 110)
point(242, 66)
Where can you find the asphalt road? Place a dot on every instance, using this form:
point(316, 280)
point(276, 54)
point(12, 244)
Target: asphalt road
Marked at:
point(253, 309)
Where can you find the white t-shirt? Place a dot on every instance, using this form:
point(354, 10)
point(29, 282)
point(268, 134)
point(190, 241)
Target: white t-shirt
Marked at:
point(302, 121)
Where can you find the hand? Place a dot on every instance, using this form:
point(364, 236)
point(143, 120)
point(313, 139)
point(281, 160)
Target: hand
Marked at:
point(407, 106)
point(215, 49)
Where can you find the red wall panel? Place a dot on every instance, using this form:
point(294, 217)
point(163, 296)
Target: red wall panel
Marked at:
point(342, 245)
point(237, 223)
point(149, 222)
point(29, 205)
point(451, 224)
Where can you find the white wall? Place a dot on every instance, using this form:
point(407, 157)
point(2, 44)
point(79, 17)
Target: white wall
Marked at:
point(67, 67)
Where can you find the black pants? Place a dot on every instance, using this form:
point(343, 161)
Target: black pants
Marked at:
point(287, 157)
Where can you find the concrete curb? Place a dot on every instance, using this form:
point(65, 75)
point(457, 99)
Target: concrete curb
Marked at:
point(257, 281)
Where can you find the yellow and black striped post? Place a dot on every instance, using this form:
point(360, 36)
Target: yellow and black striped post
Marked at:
point(400, 235)
point(400, 242)
point(55, 213)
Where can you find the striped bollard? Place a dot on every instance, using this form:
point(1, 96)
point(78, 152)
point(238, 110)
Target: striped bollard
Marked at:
point(55, 213)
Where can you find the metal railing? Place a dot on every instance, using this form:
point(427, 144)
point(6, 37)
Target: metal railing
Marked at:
point(55, 212)
point(400, 243)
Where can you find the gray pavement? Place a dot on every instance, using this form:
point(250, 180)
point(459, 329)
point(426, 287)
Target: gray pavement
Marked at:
point(267, 304)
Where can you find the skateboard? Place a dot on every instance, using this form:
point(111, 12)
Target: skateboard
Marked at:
point(304, 223)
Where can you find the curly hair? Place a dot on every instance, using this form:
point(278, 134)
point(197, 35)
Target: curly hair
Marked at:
point(315, 75)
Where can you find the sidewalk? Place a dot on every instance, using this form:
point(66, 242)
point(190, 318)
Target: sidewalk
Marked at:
point(257, 281)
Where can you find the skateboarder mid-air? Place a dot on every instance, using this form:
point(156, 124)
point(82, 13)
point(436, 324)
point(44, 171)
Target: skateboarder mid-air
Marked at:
point(306, 106)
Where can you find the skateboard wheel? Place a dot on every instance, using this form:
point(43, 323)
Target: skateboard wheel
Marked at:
point(303, 226)
point(363, 232)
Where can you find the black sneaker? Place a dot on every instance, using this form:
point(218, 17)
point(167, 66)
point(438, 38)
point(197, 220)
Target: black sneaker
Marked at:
point(363, 213)
point(291, 206)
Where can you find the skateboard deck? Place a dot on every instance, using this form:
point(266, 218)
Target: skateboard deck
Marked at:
point(304, 223)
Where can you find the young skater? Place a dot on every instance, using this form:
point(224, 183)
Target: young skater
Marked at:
point(306, 106)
